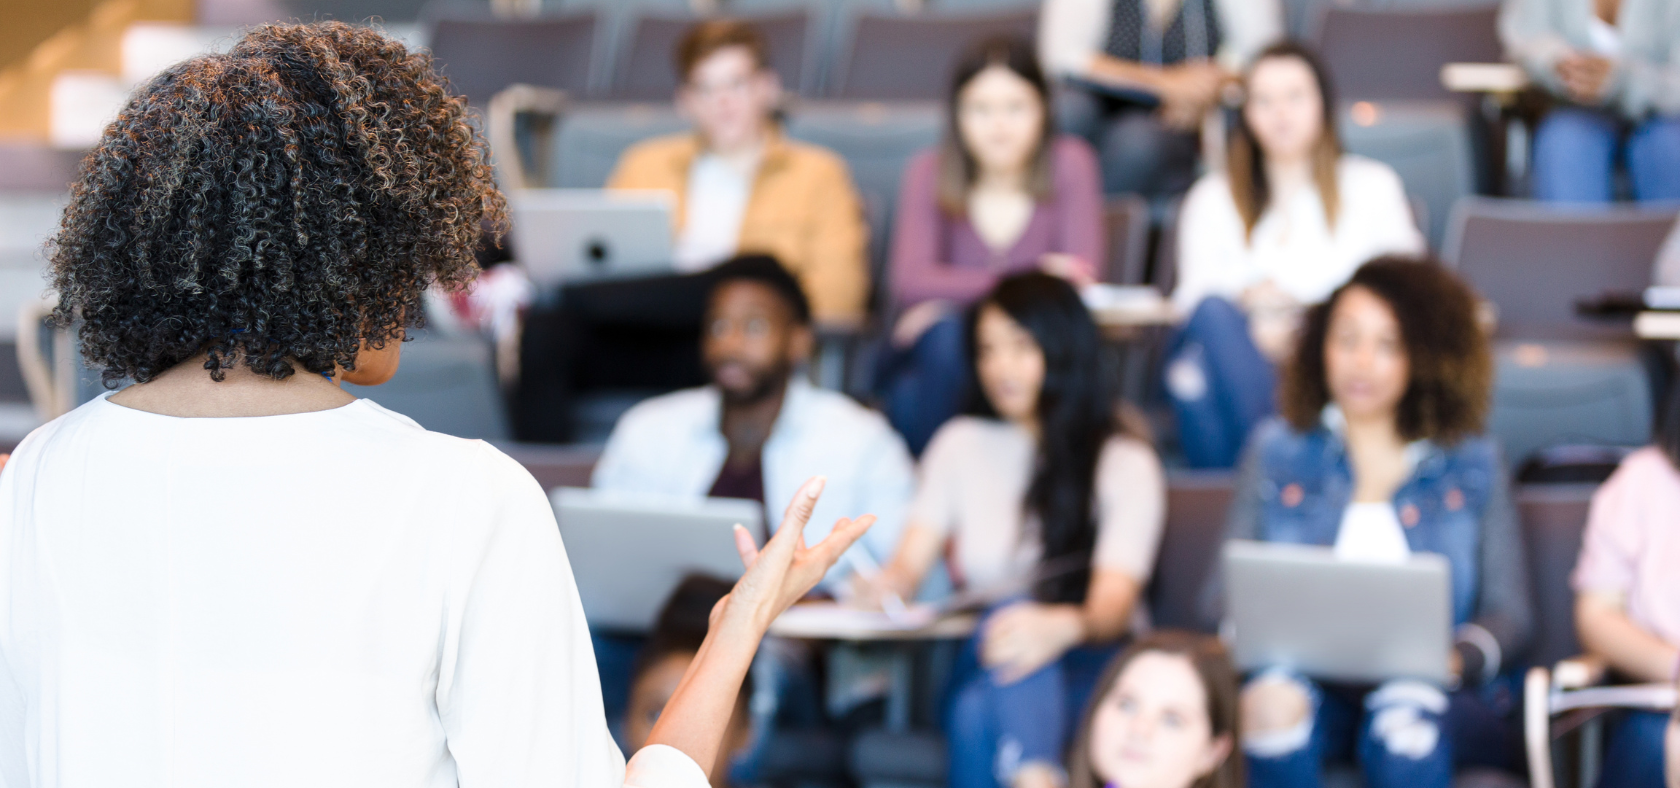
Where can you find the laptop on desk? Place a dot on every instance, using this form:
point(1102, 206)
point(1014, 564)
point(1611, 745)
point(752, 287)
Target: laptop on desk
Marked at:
point(563, 236)
point(629, 551)
point(1302, 608)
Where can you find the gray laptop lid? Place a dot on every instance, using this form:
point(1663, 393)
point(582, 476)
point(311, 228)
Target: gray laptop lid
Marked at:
point(568, 235)
point(629, 551)
point(1301, 608)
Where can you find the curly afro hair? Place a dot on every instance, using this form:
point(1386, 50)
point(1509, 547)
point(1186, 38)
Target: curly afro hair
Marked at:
point(285, 203)
point(1448, 352)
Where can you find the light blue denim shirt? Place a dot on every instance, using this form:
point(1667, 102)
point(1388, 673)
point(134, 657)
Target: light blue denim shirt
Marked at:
point(672, 445)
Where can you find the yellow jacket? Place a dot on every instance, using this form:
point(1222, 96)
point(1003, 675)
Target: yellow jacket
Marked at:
point(803, 210)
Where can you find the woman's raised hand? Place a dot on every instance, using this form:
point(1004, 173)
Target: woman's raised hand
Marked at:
point(782, 572)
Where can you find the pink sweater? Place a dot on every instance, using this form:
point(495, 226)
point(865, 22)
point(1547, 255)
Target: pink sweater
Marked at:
point(935, 255)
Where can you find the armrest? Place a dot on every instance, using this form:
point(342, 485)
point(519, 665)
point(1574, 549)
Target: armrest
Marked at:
point(505, 107)
point(1585, 670)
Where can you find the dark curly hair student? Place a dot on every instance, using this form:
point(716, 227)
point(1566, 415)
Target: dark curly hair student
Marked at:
point(284, 203)
point(1449, 357)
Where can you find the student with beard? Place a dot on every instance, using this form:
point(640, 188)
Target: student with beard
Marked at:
point(758, 430)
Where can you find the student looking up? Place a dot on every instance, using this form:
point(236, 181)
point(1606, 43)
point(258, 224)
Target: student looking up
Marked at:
point(1003, 193)
point(1164, 715)
point(233, 572)
point(1380, 454)
point(740, 187)
point(1041, 502)
point(1288, 222)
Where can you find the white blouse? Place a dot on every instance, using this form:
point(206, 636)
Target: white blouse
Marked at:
point(1293, 244)
point(336, 598)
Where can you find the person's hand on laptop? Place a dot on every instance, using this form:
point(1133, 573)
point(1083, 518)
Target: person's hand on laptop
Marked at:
point(1026, 636)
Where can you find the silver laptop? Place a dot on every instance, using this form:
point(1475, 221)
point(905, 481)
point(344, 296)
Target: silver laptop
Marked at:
point(569, 235)
point(1300, 607)
point(630, 550)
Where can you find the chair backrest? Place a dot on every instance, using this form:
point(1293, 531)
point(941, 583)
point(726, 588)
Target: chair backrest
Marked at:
point(1428, 143)
point(1397, 53)
point(645, 69)
point(555, 466)
point(481, 55)
point(911, 57)
point(1190, 542)
point(876, 140)
point(1553, 518)
point(447, 383)
point(592, 136)
point(1127, 217)
point(1534, 260)
point(1164, 273)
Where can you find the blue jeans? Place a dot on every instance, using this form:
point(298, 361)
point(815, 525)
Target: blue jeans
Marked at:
point(1635, 758)
point(994, 728)
point(1576, 151)
point(1219, 383)
point(1404, 734)
point(923, 386)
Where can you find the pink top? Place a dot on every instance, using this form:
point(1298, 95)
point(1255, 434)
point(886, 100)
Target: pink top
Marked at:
point(935, 255)
point(1632, 544)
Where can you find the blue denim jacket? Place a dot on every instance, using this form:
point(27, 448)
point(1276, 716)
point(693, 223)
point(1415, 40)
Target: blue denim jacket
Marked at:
point(1293, 487)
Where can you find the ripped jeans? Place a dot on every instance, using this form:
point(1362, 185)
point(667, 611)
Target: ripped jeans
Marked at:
point(1403, 733)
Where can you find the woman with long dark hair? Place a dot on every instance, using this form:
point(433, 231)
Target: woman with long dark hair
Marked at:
point(1288, 220)
point(1001, 194)
point(234, 572)
point(1039, 500)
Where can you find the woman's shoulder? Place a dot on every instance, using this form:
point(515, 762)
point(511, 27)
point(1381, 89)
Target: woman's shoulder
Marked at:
point(966, 436)
point(1212, 191)
point(1645, 469)
point(1130, 458)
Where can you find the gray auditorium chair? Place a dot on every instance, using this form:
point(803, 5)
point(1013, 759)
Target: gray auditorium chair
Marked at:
point(1415, 41)
point(644, 69)
point(1560, 378)
point(877, 140)
point(482, 54)
point(1427, 142)
point(904, 57)
point(591, 137)
point(447, 383)
point(1190, 542)
point(1127, 217)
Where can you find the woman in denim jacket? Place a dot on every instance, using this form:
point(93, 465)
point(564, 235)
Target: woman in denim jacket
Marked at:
point(1380, 454)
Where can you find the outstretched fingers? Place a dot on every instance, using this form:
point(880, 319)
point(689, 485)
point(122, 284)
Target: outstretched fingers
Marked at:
point(746, 546)
point(844, 534)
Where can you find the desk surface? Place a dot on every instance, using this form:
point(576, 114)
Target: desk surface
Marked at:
point(832, 621)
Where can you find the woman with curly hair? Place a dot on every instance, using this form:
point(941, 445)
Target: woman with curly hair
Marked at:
point(1380, 454)
point(235, 573)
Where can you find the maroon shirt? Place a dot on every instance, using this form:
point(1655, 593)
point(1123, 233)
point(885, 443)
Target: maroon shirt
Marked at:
point(937, 256)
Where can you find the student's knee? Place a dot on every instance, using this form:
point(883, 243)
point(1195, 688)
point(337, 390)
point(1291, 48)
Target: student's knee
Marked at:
point(1276, 715)
point(1406, 719)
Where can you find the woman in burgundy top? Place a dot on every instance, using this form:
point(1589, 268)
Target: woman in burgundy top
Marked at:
point(1000, 195)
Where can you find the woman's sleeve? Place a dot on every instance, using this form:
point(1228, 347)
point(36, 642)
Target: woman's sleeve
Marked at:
point(517, 691)
point(1528, 28)
point(917, 272)
point(1131, 509)
point(1392, 226)
point(1069, 34)
point(1079, 197)
point(1644, 86)
point(1504, 618)
point(934, 505)
point(1606, 562)
point(1242, 521)
point(1210, 246)
point(835, 272)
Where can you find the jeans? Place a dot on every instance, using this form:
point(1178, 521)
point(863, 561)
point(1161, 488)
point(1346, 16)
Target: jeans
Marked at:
point(1219, 383)
point(923, 386)
point(994, 728)
point(1403, 733)
point(1576, 151)
point(1635, 758)
point(1137, 152)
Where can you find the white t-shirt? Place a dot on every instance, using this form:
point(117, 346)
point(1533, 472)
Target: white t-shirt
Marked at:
point(1293, 245)
point(974, 478)
point(1371, 532)
point(717, 201)
point(336, 598)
